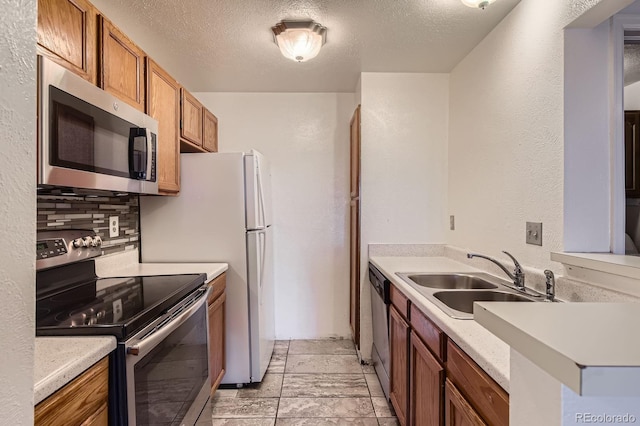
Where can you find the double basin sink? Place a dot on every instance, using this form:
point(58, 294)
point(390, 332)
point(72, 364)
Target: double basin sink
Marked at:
point(455, 293)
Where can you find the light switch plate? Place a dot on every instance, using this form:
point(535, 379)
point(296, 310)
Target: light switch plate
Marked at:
point(114, 226)
point(534, 233)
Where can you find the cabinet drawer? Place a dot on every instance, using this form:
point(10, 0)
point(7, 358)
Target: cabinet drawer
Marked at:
point(484, 394)
point(431, 335)
point(82, 400)
point(400, 301)
point(218, 285)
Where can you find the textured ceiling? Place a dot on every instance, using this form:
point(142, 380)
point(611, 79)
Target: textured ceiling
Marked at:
point(227, 45)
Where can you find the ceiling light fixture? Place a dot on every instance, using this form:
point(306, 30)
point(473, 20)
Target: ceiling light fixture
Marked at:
point(477, 4)
point(299, 40)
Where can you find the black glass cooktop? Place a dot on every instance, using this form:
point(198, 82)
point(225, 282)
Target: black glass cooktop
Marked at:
point(111, 306)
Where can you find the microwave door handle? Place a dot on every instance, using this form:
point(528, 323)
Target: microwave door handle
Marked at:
point(149, 153)
point(144, 346)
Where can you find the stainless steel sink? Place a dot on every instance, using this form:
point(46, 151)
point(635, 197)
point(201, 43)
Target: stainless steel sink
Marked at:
point(455, 292)
point(449, 281)
point(463, 300)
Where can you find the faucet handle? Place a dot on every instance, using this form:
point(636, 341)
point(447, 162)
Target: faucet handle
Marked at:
point(515, 262)
point(551, 285)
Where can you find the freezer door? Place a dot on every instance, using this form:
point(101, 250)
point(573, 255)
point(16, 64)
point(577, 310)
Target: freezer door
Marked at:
point(261, 300)
point(257, 191)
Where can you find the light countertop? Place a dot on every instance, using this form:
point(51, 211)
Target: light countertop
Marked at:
point(487, 350)
point(590, 347)
point(58, 360)
point(211, 269)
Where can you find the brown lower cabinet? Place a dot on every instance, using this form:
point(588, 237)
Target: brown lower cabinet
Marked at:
point(426, 385)
point(216, 303)
point(458, 412)
point(432, 380)
point(399, 351)
point(83, 401)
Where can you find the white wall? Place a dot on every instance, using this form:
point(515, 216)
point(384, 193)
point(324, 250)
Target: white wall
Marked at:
point(404, 166)
point(305, 136)
point(506, 133)
point(18, 207)
point(632, 96)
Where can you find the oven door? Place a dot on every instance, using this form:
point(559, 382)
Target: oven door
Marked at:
point(168, 368)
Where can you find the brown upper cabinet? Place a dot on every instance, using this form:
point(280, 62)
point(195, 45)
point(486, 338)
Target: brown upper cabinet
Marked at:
point(209, 131)
point(163, 104)
point(121, 65)
point(67, 34)
point(191, 113)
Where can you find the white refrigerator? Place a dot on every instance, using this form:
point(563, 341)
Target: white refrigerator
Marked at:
point(223, 214)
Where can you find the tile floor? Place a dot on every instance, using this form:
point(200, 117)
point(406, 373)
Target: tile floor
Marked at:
point(308, 382)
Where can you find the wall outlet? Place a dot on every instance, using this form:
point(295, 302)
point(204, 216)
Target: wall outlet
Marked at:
point(534, 233)
point(452, 222)
point(114, 226)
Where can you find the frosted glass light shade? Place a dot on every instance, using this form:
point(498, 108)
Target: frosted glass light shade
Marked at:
point(477, 4)
point(299, 40)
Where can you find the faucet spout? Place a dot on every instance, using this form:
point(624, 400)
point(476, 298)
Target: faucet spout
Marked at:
point(517, 276)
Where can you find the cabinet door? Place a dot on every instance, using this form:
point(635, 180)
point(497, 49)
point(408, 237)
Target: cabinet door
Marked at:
point(216, 341)
point(163, 104)
point(399, 351)
point(210, 131)
point(632, 153)
point(67, 35)
point(458, 412)
point(82, 401)
point(426, 381)
point(191, 118)
point(121, 66)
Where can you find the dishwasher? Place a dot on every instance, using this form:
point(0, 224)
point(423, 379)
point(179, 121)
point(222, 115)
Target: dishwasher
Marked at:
point(380, 301)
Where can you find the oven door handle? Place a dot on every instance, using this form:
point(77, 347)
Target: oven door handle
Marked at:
point(146, 344)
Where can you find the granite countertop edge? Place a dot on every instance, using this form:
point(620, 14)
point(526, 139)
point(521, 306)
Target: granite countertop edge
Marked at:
point(59, 360)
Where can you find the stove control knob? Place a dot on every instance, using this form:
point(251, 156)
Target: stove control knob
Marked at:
point(88, 242)
point(97, 241)
point(78, 242)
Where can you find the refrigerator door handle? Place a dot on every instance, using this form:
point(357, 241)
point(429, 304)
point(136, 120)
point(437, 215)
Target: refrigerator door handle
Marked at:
point(262, 219)
point(263, 243)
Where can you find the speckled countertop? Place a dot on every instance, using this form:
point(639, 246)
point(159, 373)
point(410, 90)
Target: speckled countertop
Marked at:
point(487, 350)
point(58, 360)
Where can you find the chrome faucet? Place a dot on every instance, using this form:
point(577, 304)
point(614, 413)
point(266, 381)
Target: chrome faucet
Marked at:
point(517, 276)
point(551, 285)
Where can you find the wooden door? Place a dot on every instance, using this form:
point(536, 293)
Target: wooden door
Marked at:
point(191, 118)
point(121, 66)
point(210, 131)
point(67, 33)
point(163, 104)
point(426, 386)
point(632, 153)
point(354, 230)
point(458, 412)
point(399, 351)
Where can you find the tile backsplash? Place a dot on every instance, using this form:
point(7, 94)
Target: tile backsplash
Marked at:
point(91, 212)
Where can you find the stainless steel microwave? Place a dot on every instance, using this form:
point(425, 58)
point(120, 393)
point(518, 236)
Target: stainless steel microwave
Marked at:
point(89, 139)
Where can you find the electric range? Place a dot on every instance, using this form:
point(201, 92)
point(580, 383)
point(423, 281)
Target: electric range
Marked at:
point(160, 323)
